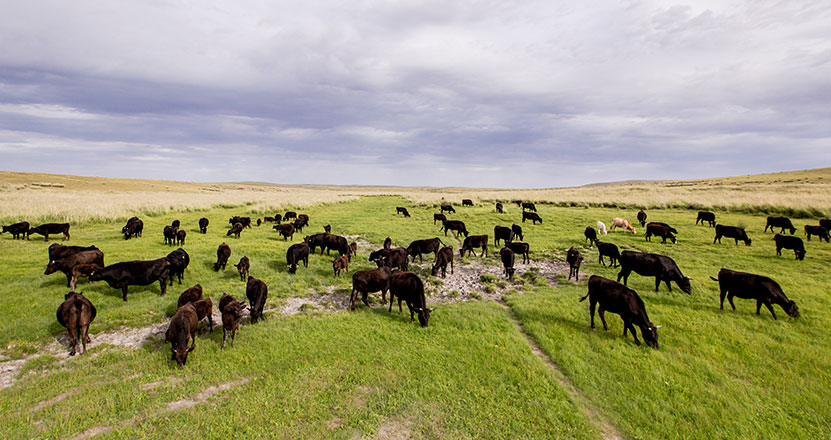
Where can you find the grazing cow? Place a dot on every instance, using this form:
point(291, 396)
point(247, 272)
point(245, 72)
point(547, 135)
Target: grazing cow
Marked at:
point(303, 218)
point(336, 243)
point(256, 291)
point(518, 203)
point(467, 202)
point(601, 228)
point(408, 287)
point(223, 252)
point(819, 231)
point(20, 228)
point(661, 267)
point(259, 222)
point(706, 216)
point(475, 241)
point(402, 210)
point(447, 208)
point(133, 228)
point(499, 207)
point(574, 259)
point(243, 267)
point(51, 228)
point(169, 234)
point(789, 242)
point(76, 313)
point(236, 230)
point(231, 315)
point(180, 237)
point(66, 265)
point(507, 256)
point(437, 217)
point(780, 222)
point(591, 235)
point(825, 223)
point(520, 248)
point(190, 295)
point(368, 281)
point(203, 225)
point(619, 299)
point(134, 273)
point(733, 232)
point(179, 261)
point(286, 230)
point(526, 215)
point(327, 229)
point(609, 250)
point(669, 228)
point(58, 251)
point(419, 247)
point(618, 222)
point(295, 254)
point(278, 218)
point(299, 224)
point(245, 221)
point(339, 264)
point(204, 309)
point(642, 218)
point(182, 327)
point(529, 206)
point(659, 230)
point(456, 225)
point(502, 233)
point(517, 231)
point(387, 243)
point(443, 256)
point(288, 215)
point(749, 286)
point(316, 241)
point(393, 258)
point(353, 248)
point(268, 219)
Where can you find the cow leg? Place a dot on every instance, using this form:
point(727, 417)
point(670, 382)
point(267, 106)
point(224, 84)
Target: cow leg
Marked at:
point(390, 308)
point(124, 292)
point(770, 307)
point(602, 313)
point(73, 339)
point(73, 282)
point(399, 305)
point(657, 283)
point(669, 287)
point(69, 279)
point(634, 334)
point(623, 275)
point(163, 284)
point(85, 336)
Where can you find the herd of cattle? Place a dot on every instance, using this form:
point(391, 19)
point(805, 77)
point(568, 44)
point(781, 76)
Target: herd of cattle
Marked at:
point(392, 275)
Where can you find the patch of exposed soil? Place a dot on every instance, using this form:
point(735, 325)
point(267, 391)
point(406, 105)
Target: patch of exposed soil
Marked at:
point(394, 430)
point(204, 395)
point(92, 432)
point(333, 300)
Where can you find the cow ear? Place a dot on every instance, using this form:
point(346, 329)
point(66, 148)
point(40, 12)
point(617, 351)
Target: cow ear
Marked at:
point(430, 310)
point(689, 279)
point(656, 326)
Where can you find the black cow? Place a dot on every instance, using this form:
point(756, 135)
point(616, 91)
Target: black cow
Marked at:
point(368, 281)
point(447, 208)
point(327, 229)
point(51, 228)
point(609, 250)
point(179, 261)
point(789, 242)
point(642, 218)
point(76, 313)
point(203, 225)
point(419, 247)
point(749, 286)
point(66, 265)
point(180, 237)
point(58, 251)
point(268, 219)
point(402, 210)
point(502, 233)
point(574, 259)
point(278, 218)
point(19, 228)
point(231, 314)
point(825, 223)
point(223, 252)
point(393, 258)
point(506, 255)
point(733, 232)
point(467, 202)
point(316, 241)
point(780, 222)
point(619, 299)
point(387, 243)
point(529, 206)
point(443, 256)
point(190, 295)
point(236, 230)
point(526, 215)
point(706, 216)
point(133, 228)
point(408, 287)
point(182, 326)
point(517, 202)
point(499, 208)
point(336, 243)
point(298, 225)
point(661, 267)
point(134, 273)
point(819, 231)
point(472, 242)
point(303, 219)
point(256, 291)
point(591, 235)
point(522, 249)
point(169, 234)
point(259, 222)
point(245, 221)
point(286, 230)
point(243, 267)
point(176, 224)
point(659, 230)
point(295, 254)
point(437, 217)
point(456, 225)
point(288, 215)
point(517, 231)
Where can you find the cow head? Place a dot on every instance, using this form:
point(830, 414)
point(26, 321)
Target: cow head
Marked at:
point(792, 309)
point(510, 271)
point(51, 268)
point(180, 355)
point(747, 241)
point(800, 254)
point(650, 335)
point(674, 240)
point(684, 284)
point(423, 315)
point(792, 229)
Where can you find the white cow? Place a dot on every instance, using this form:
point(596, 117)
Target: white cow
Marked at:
point(601, 227)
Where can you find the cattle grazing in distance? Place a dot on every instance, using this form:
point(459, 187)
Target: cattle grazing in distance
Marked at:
point(443, 257)
point(245, 221)
point(339, 264)
point(790, 242)
point(659, 230)
point(642, 218)
point(408, 287)
point(439, 217)
point(780, 222)
point(502, 233)
point(706, 216)
point(303, 219)
point(618, 222)
point(179, 261)
point(574, 259)
point(204, 309)
point(182, 327)
point(749, 286)
point(661, 267)
point(190, 295)
point(259, 222)
point(353, 248)
point(134, 273)
point(76, 313)
point(243, 267)
point(369, 281)
point(526, 215)
point(447, 208)
point(517, 231)
point(387, 243)
point(169, 234)
point(286, 230)
point(608, 250)
point(223, 252)
point(256, 291)
point(180, 237)
point(268, 219)
point(419, 247)
point(472, 242)
point(51, 228)
point(278, 218)
point(295, 254)
point(518, 203)
point(327, 229)
point(203, 225)
point(58, 251)
point(236, 230)
point(467, 202)
point(499, 208)
point(733, 232)
point(591, 235)
point(298, 225)
point(231, 312)
point(506, 255)
point(522, 249)
point(402, 210)
point(133, 228)
point(70, 265)
point(529, 206)
point(18, 229)
point(455, 225)
point(825, 223)
point(819, 231)
point(601, 228)
point(616, 298)
point(289, 215)
point(176, 224)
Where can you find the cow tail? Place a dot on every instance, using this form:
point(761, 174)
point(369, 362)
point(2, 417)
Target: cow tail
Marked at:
point(584, 298)
point(714, 279)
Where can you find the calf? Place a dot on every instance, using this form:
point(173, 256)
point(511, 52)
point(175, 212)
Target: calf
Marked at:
point(591, 235)
point(278, 218)
point(437, 217)
point(203, 225)
point(507, 257)
point(353, 247)
point(467, 202)
point(733, 232)
point(609, 250)
point(447, 208)
point(601, 228)
point(58, 251)
point(475, 241)
point(499, 207)
point(819, 231)
point(619, 299)
point(256, 291)
point(286, 230)
point(419, 247)
point(327, 229)
point(204, 309)
point(169, 234)
point(408, 287)
point(223, 252)
point(18, 229)
point(182, 327)
point(661, 267)
point(618, 222)
point(303, 218)
point(190, 295)
point(339, 264)
point(76, 313)
point(443, 256)
point(316, 241)
point(387, 243)
point(242, 267)
point(295, 254)
point(259, 222)
point(180, 237)
point(517, 231)
point(402, 210)
point(531, 216)
point(135, 273)
point(659, 230)
point(231, 312)
point(66, 265)
point(749, 286)
point(336, 243)
point(51, 228)
point(780, 222)
point(244, 221)
point(81, 271)
point(133, 228)
point(176, 224)
point(789, 242)
point(706, 216)
point(179, 261)
point(520, 248)
point(289, 215)
point(236, 230)
point(642, 218)
point(456, 225)
point(529, 206)
point(268, 219)
point(368, 281)
point(298, 225)
point(574, 259)
point(502, 233)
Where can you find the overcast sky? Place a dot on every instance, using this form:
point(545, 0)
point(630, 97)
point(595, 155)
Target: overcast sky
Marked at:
point(441, 93)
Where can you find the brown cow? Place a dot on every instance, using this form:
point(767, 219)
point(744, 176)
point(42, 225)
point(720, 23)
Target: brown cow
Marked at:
point(341, 263)
point(76, 313)
point(231, 315)
point(618, 222)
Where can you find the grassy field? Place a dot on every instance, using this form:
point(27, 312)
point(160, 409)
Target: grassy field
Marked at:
point(471, 374)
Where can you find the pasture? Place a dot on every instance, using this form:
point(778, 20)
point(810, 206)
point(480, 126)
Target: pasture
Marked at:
point(473, 373)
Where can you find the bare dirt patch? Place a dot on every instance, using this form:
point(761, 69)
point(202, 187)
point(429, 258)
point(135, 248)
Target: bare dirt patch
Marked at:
point(204, 395)
point(333, 300)
point(395, 430)
point(49, 402)
point(92, 432)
